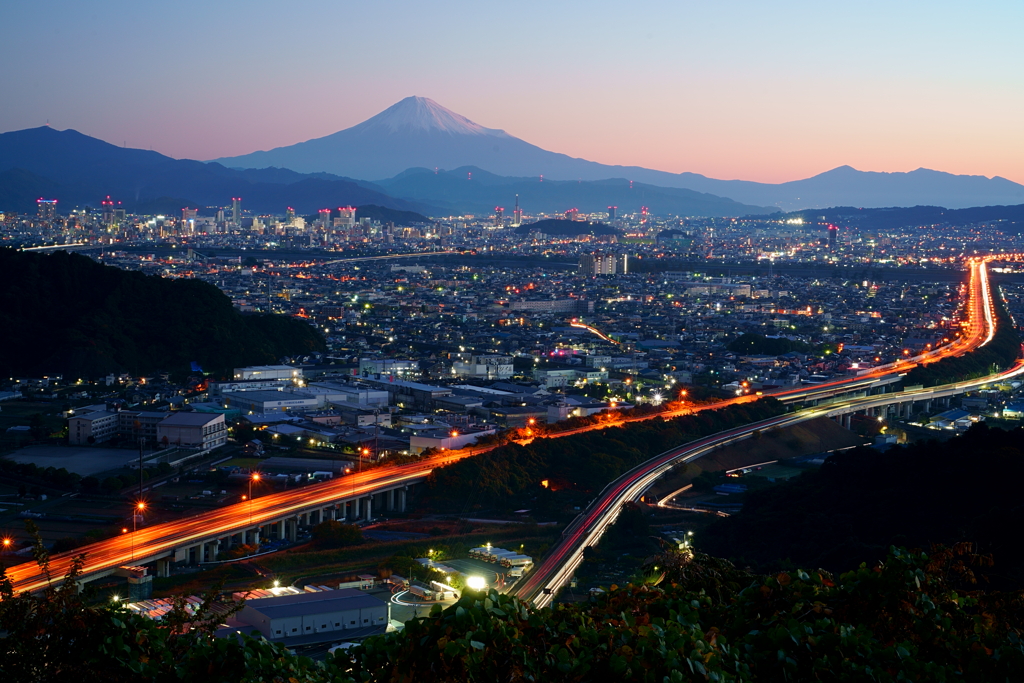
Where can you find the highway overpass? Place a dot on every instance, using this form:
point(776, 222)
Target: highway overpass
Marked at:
point(540, 586)
point(200, 538)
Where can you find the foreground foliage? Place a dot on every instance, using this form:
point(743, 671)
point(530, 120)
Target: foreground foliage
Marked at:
point(907, 619)
point(915, 617)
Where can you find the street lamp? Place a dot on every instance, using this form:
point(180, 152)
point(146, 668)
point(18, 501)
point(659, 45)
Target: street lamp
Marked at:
point(139, 507)
point(255, 477)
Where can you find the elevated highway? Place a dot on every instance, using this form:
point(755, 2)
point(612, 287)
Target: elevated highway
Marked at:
point(200, 538)
point(586, 530)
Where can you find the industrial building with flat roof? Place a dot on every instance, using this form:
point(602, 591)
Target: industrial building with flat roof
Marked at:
point(315, 617)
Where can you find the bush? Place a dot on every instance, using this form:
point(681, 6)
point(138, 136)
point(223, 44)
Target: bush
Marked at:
point(333, 534)
point(914, 617)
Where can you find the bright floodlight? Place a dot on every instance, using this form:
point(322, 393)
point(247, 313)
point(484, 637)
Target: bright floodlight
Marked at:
point(476, 583)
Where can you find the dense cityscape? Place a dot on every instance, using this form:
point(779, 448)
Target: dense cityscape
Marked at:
point(411, 398)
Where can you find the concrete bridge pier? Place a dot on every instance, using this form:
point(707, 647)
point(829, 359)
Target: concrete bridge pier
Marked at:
point(163, 568)
point(369, 509)
point(292, 529)
point(391, 500)
point(402, 495)
point(848, 420)
point(208, 551)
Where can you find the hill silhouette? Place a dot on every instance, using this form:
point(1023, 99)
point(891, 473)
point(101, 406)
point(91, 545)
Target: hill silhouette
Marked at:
point(77, 169)
point(65, 313)
point(419, 132)
point(861, 502)
point(566, 228)
point(473, 189)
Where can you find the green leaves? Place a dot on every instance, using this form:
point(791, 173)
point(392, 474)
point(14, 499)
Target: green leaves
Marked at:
point(707, 622)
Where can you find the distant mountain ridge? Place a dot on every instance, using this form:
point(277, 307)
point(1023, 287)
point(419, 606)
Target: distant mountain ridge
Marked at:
point(472, 189)
point(418, 132)
point(79, 169)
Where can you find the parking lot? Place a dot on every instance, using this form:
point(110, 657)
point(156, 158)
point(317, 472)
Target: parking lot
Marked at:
point(84, 460)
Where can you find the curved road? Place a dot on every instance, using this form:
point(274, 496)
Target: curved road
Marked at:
point(150, 543)
point(586, 530)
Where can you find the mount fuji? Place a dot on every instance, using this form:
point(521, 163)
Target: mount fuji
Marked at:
point(419, 133)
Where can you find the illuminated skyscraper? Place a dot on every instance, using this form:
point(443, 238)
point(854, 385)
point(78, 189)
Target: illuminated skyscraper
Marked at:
point(833, 237)
point(499, 217)
point(612, 212)
point(604, 264)
point(517, 215)
point(108, 211)
point(236, 211)
point(46, 208)
point(346, 217)
point(188, 220)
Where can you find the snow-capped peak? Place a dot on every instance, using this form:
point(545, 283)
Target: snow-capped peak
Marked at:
point(424, 114)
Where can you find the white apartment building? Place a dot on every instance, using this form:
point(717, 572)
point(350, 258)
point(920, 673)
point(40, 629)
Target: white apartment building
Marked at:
point(193, 430)
point(484, 367)
point(264, 372)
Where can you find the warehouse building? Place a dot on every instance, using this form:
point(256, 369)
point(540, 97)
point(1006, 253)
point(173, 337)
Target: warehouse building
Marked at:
point(346, 612)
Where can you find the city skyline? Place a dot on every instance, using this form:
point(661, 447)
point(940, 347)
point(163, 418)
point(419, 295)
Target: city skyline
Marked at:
point(734, 91)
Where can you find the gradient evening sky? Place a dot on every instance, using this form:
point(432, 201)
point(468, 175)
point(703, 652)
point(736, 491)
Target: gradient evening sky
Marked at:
point(767, 91)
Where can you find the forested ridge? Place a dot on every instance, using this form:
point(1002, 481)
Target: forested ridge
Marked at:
point(65, 313)
point(862, 501)
point(578, 466)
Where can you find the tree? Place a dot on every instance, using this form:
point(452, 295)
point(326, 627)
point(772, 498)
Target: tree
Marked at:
point(333, 534)
point(37, 428)
point(57, 635)
point(914, 617)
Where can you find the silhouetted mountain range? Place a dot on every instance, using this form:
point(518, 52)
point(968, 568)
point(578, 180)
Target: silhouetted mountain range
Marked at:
point(78, 169)
point(418, 132)
point(407, 141)
point(1012, 217)
point(472, 189)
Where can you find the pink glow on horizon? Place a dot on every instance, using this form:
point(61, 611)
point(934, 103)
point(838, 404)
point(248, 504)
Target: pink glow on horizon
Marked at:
point(734, 89)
